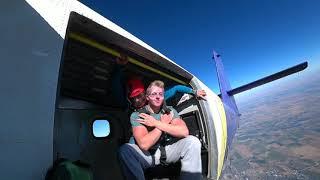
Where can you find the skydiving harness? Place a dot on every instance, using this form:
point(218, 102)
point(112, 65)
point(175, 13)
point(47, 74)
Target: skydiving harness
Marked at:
point(164, 140)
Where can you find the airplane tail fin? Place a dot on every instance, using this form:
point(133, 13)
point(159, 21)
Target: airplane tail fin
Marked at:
point(230, 106)
point(224, 84)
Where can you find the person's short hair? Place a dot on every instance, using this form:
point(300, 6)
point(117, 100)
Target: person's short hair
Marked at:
point(156, 83)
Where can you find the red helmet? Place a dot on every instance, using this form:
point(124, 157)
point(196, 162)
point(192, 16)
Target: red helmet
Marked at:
point(135, 87)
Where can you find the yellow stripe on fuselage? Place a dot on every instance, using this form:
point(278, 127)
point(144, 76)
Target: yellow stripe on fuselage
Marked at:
point(218, 113)
point(223, 138)
point(103, 48)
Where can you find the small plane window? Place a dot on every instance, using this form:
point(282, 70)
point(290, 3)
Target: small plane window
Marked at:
point(101, 128)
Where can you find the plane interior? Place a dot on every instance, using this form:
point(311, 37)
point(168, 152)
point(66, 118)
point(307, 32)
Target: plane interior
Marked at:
point(85, 95)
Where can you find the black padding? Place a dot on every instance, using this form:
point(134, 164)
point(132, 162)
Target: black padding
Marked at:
point(164, 171)
point(192, 123)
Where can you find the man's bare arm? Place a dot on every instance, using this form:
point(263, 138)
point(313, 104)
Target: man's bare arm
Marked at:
point(146, 139)
point(176, 128)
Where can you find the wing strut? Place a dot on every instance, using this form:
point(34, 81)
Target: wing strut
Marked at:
point(268, 79)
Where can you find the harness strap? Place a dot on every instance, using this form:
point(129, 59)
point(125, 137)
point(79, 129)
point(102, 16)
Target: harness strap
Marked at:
point(163, 155)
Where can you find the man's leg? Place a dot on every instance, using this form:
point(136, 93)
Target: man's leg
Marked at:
point(134, 161)
point(188, 150)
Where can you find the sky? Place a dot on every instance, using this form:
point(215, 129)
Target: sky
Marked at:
point(255, 38)
point(101, 128)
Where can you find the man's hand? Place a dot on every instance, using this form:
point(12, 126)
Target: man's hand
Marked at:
point(147, 120)
point(201, 94)
point(166, 118)
point(122, 60)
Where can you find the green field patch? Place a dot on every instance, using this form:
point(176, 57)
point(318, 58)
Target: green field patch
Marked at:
point(259, 161)
point(236, 155)
point(258, 148)
point(308, 162)
point(295, 144)
point(312, 174)
point(240, 164)
point(295, 135)
point(275, 155)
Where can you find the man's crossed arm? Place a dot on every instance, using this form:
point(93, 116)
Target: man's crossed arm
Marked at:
point(175, 127)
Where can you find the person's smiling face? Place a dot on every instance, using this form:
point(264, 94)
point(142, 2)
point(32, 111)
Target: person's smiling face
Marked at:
point(155, 96)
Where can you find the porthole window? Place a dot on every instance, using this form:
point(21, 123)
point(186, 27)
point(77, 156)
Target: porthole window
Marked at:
point(101, 128)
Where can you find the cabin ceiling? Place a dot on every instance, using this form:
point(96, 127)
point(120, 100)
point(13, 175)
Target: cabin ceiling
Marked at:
point(87, 71)
point(95, 31)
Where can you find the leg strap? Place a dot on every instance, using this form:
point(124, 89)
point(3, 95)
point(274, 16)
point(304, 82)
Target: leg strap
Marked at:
point(163, 155)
